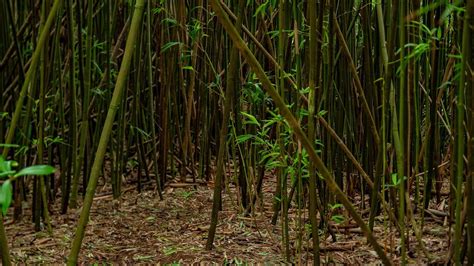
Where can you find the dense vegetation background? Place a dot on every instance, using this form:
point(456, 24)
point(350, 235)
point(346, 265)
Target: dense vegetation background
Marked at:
point(339, 114)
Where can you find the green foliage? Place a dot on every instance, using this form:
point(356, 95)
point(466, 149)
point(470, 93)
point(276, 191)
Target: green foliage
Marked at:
point(35, 170)
point(262, 9)
point(168, 45)
point(5, 196)
point(187, 194)
point(336, 206)
point(338, 218)
point(269, 149)
point(8, 173)
point(195, 30)
point(395, 180)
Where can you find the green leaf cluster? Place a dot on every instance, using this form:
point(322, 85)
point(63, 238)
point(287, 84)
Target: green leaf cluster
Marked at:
point(9, 174)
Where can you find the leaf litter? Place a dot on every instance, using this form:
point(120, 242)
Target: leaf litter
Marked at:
point(139, 228)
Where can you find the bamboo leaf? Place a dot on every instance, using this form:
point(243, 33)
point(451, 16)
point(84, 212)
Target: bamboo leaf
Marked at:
point(5, 196)
point(168, 45)
point(36, 170)
point(261, 9)
point(243, 138)
point(252, 120)
point(3, 145)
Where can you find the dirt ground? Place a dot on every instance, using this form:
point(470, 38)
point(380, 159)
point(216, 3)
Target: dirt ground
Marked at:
point(140, 228)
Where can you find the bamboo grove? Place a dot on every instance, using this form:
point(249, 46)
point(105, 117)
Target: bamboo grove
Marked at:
point(336, 100)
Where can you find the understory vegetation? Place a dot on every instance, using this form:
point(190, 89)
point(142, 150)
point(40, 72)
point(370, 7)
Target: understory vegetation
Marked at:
point(311, 121)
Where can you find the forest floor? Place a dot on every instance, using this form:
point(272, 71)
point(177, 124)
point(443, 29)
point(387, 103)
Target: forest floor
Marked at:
point(142, 229)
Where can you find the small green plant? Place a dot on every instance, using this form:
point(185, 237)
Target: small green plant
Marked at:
point(395, 180)
point(187, 194)
point(337, 218)
point(9, 174)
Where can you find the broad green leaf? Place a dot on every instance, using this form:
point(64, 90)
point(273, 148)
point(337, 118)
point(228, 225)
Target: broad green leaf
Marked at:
point(337, 218)
point(168, 45)
point(36, 170)
point(5, 196)
point(3, 145)
point(394, 179)
point(270, 157)
point(6, 166)
point(243, 138)
point(6, 173)
point(270, 122)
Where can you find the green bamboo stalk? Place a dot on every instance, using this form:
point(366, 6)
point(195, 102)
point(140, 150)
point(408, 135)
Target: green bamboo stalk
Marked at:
point(382, 147)
point(459, 136)
point(150, 99)
point(399, 140)
point(84, 132)
point(106, 131)
point(73, 125)
point(297, 24)
point(313, 77)
point(431, 154)
point(416, 36)
point(42, 186)
point(468, 51)
point(187, 140)
point(293, 123)
point(358, 84)
point(229, 93)
point(16, 41)
point(282, 43)
point(400, 169)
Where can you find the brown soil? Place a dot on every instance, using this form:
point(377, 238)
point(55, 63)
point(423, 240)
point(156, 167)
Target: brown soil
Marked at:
point(142, 229)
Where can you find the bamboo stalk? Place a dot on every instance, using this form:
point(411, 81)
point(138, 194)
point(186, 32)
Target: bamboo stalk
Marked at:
point(106, 131)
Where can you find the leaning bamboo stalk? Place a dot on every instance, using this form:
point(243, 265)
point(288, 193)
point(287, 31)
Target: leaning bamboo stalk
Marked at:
point(106, 131)
point(360, 90)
